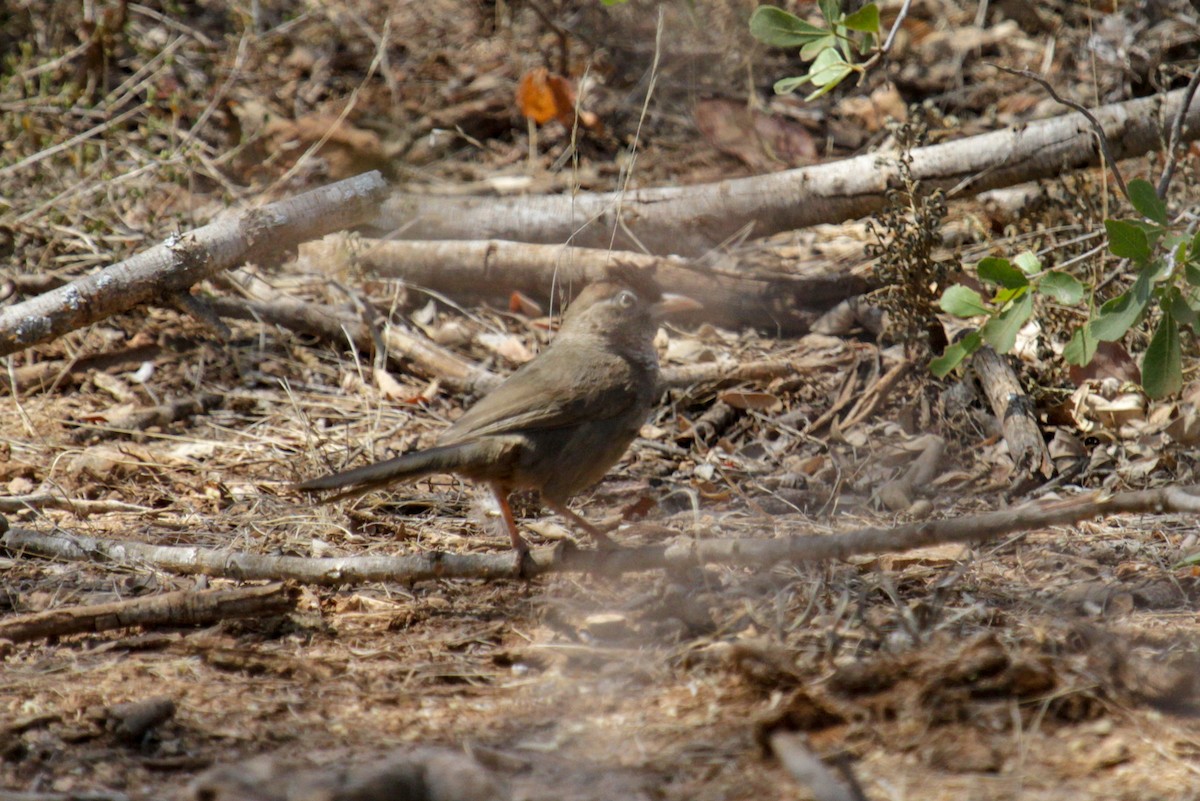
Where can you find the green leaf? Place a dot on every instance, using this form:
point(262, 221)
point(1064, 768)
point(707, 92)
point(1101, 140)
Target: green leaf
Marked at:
point(1003, 296)
point(962, 301)
point(1162, 366)
point(816, 47)
point(828, 71)
point(1082, 346)
point(1177, 306)
point(1001, 272)
point(778, 28)
point(954, 354)
point(1117, 315)
point(1187, 561)
point(1001, 331)
point(1194, 250)
point(1127, 240)
point(785, 86)
point(1146, 201)
point(831, 10)
point(865, 20)
point(1029, 263)
point(1191, 273)
point(1066, 289)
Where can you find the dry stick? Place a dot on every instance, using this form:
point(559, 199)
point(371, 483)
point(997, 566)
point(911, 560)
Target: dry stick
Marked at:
point(457, 374)
point(1164, 183)
point(684, 553)
point(727, 370)
point(1014, 410)
point(172, 267)
point(691, 220)
point(80, 507)
point(75, 795)
point(784, 304)
point(1091, 118)
point(141, 419)
point(186, 608)
point(41, 375)
point(823, 784)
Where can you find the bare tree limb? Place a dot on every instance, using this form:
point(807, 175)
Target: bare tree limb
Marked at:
point(425, 566)
point(334, 325)
point(694, 219)
point(785, 305)
point(173, 266)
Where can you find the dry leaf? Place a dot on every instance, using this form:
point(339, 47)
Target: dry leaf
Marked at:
point(506, 346)
point(389, 387)
point(756, 401)
point(520, 303)
point(1111, 361)
point(543, 96)
point(759, 140)
point(346, 149)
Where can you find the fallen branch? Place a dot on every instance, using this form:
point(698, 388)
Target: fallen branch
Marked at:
point(333, 325)
point(1032, 464)
point(78, 506)
point(684, 553)
point(415, 774)
point(139, 419)
point(792, 751)
point(186, 608)
point(173, 266)
point(783, 304)
point(694, 219)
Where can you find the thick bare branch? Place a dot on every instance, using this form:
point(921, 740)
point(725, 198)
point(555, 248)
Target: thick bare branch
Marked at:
point(173, 266)
point(785, 305)
point(693, 219)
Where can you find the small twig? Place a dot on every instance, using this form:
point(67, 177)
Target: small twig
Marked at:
point(1091, 118)
point(726, 370)
point(1164, 183)
point(203, 311)
point(891, 37)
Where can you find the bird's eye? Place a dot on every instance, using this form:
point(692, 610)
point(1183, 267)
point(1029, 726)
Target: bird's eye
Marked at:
point(626, 299)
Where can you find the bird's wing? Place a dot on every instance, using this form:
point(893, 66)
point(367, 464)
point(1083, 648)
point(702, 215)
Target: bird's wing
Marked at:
point(559, 388)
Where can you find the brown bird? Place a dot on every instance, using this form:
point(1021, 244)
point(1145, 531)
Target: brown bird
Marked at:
point(558, 423)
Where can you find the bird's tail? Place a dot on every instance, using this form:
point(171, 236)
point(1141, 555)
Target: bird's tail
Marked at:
point(409, 467)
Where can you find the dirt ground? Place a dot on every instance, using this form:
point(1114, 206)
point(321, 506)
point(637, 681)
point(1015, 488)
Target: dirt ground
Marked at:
point(1049, 664)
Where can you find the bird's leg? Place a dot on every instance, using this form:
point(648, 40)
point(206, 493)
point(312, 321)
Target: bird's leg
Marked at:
point(518, 543)
point(602, 540)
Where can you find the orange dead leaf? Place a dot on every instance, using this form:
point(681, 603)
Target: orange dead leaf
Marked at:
point(535, 98)
point(543, 96)
point(520, 303)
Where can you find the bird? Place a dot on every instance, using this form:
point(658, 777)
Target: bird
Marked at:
point(560, 421)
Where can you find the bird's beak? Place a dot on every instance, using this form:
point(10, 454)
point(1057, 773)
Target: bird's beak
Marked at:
point(674, 304)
